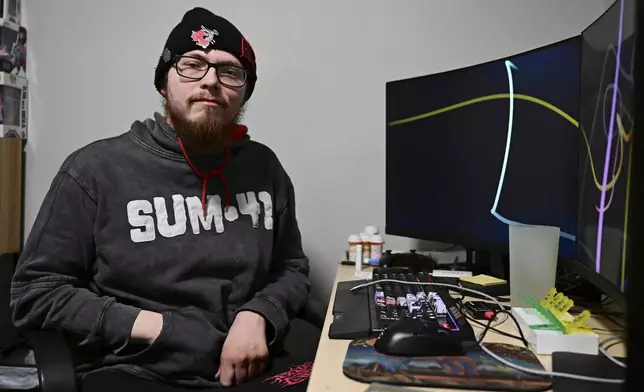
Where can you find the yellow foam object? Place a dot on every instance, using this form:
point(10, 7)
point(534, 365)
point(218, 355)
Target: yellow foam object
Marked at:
point(559, 305)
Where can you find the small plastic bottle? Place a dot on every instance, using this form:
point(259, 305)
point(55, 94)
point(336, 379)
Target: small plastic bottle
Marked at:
point(371, 230)
point(354, 241)
point(377, 244)
point(366, 247)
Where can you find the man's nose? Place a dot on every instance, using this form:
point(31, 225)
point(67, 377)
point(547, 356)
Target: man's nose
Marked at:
point(211, 78)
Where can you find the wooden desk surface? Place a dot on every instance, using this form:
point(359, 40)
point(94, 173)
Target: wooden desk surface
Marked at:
point(327, 370)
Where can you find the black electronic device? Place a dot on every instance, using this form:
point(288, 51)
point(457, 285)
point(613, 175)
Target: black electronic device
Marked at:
point(481, 310)
point(472, 150)
point(412, 260)
point(586, 365)
point(367, 312)
point(417, 338)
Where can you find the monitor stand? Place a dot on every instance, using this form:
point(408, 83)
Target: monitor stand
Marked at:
point(488, 262)
point(586, 365)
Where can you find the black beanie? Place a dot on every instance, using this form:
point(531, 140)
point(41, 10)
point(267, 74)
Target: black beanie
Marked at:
point(201, 29)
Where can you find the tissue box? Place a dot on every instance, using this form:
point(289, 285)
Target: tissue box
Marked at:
point(13, 50)
point(11, 12)
point(546, 342)
point(13, 106)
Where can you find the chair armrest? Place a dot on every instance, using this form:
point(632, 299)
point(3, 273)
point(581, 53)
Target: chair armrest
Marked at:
point(56, 371)
point(307, 314)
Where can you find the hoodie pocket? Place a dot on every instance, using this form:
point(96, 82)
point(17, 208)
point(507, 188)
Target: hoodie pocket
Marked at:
point(187, 348)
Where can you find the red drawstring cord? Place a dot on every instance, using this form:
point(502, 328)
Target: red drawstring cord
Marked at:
point(217, 172)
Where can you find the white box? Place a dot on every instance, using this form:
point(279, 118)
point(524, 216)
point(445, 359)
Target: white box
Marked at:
point(13, 106)
point(11, 13)
point(545, 342)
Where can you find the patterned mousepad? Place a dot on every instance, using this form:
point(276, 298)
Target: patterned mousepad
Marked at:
point(475, 370)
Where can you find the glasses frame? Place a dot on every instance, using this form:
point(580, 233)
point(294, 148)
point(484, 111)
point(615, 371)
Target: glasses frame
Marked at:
point(210, 65)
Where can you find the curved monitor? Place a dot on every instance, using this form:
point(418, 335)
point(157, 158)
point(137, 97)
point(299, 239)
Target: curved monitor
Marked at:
point(607, 122)
point(472, 150)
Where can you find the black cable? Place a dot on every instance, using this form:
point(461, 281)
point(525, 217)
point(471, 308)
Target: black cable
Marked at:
point(523, 339)
point(509, 335)
point(612, 320)
point(488, 327)
point(461, 306)
point(615, 331)
point(612, 344)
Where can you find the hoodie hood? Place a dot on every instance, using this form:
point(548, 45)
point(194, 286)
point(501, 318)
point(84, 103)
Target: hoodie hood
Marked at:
point(157, 133)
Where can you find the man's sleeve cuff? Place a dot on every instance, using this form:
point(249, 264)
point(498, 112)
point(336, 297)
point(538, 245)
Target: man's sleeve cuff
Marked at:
point(273, 313)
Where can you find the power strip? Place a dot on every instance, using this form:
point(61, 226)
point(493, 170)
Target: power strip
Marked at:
point(450, 274)
point(545, 342)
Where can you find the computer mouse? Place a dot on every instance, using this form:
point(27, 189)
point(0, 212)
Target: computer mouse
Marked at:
point(416, 338)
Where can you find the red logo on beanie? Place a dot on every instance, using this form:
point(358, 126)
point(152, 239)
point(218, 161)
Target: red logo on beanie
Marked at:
point(204, 37)
point(247, 50)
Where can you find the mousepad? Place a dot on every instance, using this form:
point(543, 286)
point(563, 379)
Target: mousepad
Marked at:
point(474, 370)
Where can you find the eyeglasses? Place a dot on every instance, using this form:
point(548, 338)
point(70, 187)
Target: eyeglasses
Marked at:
point(195, 68)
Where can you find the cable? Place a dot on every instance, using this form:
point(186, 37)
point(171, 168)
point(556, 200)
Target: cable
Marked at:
point(550, 374)
point(613, 359)
point(557, 374)
point(480, 342)
point(603, 350)
point(493, 329)
point(612, 345)
point(612, 320)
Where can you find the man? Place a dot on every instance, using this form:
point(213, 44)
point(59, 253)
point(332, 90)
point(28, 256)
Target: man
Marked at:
point(172, 252)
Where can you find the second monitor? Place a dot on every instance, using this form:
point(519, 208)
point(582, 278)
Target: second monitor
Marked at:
point(470, 151)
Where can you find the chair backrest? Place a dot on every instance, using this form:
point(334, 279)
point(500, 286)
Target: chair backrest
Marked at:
point(8, 334)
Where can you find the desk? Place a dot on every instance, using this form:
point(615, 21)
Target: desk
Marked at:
point(327, 370)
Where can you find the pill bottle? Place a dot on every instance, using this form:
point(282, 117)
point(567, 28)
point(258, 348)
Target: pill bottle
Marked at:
point(371, 230)
point(354, 241)
point(377, 244)
point(366, 247)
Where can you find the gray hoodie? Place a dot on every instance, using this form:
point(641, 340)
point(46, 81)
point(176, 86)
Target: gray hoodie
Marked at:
point(123, 228)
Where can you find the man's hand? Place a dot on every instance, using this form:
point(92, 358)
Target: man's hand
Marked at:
point(147, 327)
point(245, 352)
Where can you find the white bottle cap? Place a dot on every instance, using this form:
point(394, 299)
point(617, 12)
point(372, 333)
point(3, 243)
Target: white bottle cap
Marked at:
point(364, 237)
point(377, 239)
point(355, 238)
point(371, 230)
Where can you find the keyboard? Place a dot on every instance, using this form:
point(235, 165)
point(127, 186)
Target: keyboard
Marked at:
point(366, 312)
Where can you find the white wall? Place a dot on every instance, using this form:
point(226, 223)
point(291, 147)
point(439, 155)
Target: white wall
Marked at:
point(319, 101)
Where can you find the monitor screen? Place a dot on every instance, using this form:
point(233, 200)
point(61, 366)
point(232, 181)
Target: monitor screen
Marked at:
point(606, 117)
point(470, 151)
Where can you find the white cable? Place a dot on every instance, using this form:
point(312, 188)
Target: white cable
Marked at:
point(557, 374)
point(551, 374)
point(609, 356)
point(613, 359)
point(488, 351)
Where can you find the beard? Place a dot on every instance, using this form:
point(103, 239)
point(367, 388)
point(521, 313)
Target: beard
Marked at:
point(208, 133)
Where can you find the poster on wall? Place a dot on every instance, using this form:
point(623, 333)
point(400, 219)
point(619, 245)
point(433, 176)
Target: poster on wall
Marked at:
point(11, 13)
point(13, 106)
point(13, 51)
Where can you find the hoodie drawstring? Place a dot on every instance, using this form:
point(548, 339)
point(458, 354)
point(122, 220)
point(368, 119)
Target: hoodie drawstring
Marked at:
point(205, 176)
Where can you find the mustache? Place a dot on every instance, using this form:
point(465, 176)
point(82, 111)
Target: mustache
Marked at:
point(208, 97)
